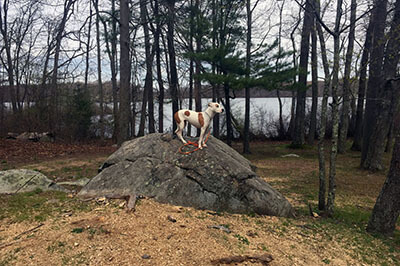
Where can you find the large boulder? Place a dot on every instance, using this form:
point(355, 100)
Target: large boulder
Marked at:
point(24, 180)
point(215, 178)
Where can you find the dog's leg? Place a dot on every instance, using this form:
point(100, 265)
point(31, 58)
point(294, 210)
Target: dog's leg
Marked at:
point(201, 139)
point(180, 125)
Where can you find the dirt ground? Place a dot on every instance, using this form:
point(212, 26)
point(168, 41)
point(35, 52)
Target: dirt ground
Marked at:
point(103, 233)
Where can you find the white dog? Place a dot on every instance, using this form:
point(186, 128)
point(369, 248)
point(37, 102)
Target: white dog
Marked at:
point(200, 120)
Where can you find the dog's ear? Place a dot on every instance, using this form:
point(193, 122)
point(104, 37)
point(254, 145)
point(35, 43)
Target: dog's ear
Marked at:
point(209, 104)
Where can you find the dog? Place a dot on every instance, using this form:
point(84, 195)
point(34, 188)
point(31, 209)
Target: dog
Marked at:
point(200, 120)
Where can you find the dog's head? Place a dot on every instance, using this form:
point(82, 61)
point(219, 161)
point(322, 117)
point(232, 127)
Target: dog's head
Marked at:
point(216, 107)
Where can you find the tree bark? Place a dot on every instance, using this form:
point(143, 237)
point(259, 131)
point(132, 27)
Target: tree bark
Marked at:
point(99, 79)
point(375, 77)
point(387, 207)
point(335, 112)
point(314, 87)
point(384, 104)
point(197, 81)
point(147, 98)
point(246, 133)
point(172, 61)
point(298, 138)
point(158, 66)
point(362, 86)
point(125, 72)
point(346, 81)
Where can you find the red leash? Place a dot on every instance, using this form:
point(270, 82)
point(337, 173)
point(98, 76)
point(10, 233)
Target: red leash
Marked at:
point(194, 144)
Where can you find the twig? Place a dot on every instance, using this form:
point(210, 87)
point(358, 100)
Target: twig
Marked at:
point(19, 235)
point(263, 259)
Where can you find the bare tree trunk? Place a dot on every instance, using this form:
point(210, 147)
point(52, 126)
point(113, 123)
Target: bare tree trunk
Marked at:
point(54, 104)
point(335, 112)
point(246, 133)
point(7, 47)
point(375, 77)
point(293, 105)
point(215, 88)
point(346, 81)
point(384, 105)
point(159, 73)
point(125, 72)
point(88, 46)
point(324, 115)
point(172, 61)
point(298, 138)
point(99, 79)
point(113, 65)
point(362, 86)
point(387, 207)
point(147, 98)
point(197, 81)
point(314, 86)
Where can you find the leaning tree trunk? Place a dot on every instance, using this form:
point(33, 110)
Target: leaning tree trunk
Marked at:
point(346, 82)
point(387, 207)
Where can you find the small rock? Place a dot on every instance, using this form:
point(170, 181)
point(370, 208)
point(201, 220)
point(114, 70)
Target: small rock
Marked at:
point(220, 227)
point(76, 244)
point(171, 219)
point(146, 256)
point(251, 234)
point(293, 155)
point(122, 204)
point(170, 236)
point(315, 215)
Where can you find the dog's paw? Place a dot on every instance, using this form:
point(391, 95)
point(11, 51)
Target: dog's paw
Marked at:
point(205, 145)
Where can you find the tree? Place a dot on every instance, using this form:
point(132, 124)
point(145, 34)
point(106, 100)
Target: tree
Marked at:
point(346, 81)
point(147, 98)
point(124, 73)
point(387, 207)
point(99, 79)
point(314, 86)
point(362, 86)
point(298, 138)
point(173, 81)
point(385, 103)
point(375, 75)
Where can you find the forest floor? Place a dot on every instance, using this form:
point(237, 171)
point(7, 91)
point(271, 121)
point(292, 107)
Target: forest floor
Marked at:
point(53, 228)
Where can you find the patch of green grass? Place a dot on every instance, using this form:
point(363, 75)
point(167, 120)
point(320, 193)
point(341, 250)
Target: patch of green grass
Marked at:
point(242, 239)
point(58, 246)
point(77, 259)
point(77, 230)
point(37, 205)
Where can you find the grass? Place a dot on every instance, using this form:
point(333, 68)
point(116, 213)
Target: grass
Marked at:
point(296, 178)
point(38, 206)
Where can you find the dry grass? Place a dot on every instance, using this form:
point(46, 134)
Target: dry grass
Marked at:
point(79, 233)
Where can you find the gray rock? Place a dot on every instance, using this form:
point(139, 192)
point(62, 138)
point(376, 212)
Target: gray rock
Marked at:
point(24, 180)
point(80, 182)
point(215, 178)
